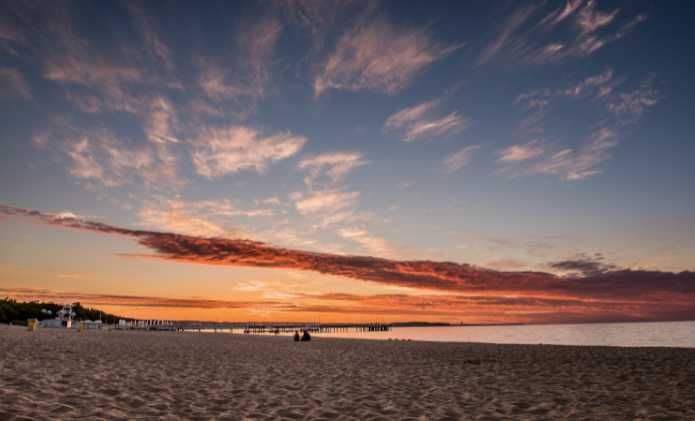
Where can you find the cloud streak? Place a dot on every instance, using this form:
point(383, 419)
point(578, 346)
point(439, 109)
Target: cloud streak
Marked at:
point(576, 29)
point(380, 57)
point(101, 157)
point(518, 153)
point(459, 159)
point(333, 165)
point(209, 218)
point(242, 83)
point(218, 151)
point(324, 201)
point(419, 122)
point(371, 243)
point(571, 164)
point(634, 286)
point(578, 162)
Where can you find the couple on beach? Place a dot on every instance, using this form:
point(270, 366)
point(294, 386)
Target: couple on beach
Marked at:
point(306, 337)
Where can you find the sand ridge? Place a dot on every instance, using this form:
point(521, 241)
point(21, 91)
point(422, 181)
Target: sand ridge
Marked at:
point(58, 374)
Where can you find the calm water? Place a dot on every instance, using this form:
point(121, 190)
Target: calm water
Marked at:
point(669, 334)
point(665, 334)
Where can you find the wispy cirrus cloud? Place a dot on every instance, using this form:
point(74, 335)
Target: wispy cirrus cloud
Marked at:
point(506, 33)
point(258, 43)
point(459, 159)
point(558, 15)
point(326, 204)
point(218, 151)
point(372, 244)
point(421, 122)
point(533, 35)
point(161, 127)
point(102, 76)
point(571, 164)
point(333, 165)
point(330, 201)
point(629, 106)
point(84, 165)
point(241, 84)
point(147, 26)
point(213, 83)
point(376, 55)
point(538, 103)
point(640, 289)
point(521, 152)
point(101, 157)
point(597, 86)
point(450, 124)
point(180, 219)
point(590, 19)
point(605, 92)
point(161, 121)
point(409, 115)
point(74, 61)
point(254, 44)
point(207, 218)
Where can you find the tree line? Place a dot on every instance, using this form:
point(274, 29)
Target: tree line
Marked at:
point(17, 312)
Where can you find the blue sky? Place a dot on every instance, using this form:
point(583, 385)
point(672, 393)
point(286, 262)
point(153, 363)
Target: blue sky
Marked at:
point(508, 135)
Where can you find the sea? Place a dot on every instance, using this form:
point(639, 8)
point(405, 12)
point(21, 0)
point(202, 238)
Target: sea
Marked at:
point(644, 334)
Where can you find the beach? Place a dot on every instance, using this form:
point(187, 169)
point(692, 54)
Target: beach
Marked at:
point(65, 374)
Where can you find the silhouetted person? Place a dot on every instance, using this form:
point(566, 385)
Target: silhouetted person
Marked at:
point(296, 336)
point(305, 336)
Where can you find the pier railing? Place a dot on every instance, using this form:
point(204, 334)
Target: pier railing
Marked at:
point(253, 327)
point(258, 328)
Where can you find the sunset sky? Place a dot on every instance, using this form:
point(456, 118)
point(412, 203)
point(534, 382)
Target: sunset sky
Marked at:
point(476, 162)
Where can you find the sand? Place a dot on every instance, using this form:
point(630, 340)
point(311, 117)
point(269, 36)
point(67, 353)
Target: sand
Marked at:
point(58, 374)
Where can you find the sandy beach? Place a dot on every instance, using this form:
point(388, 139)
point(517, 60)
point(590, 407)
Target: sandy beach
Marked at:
point(58, 374)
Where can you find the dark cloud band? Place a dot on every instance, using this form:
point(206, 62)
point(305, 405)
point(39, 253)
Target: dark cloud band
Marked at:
point(599, 282)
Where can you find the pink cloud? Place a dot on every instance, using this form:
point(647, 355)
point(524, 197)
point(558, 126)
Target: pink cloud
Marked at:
point(609, 283)
point(378, 56)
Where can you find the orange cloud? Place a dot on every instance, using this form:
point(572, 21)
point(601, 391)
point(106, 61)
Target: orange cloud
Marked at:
point(603, 294)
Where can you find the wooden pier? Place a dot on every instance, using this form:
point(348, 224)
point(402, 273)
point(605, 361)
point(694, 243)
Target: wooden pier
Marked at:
point(251, 327)
point(258, 328)
point(278, 328)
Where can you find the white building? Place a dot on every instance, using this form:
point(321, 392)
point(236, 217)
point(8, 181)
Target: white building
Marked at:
point(63, 318)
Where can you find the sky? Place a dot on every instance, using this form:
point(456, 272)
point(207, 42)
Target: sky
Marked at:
point(462, 162)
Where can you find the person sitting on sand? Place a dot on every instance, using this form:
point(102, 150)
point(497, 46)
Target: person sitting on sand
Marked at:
point(306, 337)
point(296, 336)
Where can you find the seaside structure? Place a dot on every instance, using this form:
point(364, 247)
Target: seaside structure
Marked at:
point(255, 328)
point(165, 325)
point(63, 318)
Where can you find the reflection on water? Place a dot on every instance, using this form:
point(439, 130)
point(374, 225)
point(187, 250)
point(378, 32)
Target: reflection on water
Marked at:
point(668, 334)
